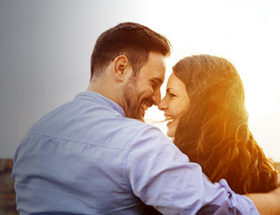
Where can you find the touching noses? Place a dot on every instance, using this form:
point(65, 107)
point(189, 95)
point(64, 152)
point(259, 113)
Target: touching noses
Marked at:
point(163, 105)
point(156, 97)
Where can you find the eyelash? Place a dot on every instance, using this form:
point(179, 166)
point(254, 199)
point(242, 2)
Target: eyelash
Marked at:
point(171, 95)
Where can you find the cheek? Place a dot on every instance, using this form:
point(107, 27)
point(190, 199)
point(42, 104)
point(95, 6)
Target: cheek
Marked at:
point(149, 91)
point(171, 107)
point(145, 91)
point(179, 108)
point(175, 109)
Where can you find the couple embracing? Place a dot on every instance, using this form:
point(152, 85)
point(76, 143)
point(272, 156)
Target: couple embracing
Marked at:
point(95, 155)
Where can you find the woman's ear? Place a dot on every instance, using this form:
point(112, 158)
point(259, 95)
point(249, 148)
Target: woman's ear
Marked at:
point(121, 68)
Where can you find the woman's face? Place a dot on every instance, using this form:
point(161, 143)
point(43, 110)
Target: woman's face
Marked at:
point(175, 103)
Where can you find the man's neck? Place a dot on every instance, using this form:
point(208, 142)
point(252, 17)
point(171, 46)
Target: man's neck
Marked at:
point(105, 90)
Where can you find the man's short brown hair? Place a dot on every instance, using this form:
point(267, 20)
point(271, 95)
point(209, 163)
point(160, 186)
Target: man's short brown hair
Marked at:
point(131, 39)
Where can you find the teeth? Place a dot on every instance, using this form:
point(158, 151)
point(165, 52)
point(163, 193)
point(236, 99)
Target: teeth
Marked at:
point(168, 119)
point(169, 122)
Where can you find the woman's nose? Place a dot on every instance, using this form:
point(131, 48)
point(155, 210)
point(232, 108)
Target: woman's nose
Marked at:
point(162, 105)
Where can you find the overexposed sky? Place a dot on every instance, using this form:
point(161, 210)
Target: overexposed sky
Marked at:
point(45, 49)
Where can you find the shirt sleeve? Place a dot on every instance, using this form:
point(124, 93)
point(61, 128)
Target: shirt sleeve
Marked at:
point(162, 176)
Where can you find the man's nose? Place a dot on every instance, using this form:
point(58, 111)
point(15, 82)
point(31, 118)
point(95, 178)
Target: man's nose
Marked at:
point(156, 98)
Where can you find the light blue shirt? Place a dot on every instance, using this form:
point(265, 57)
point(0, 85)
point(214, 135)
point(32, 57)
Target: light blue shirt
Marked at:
point(86, 157)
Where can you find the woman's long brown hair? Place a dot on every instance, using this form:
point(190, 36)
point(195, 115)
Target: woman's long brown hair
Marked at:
point(214, 130)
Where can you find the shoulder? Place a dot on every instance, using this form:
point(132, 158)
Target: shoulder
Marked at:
point(146, 140)
point(131, 134)
point(140, 131)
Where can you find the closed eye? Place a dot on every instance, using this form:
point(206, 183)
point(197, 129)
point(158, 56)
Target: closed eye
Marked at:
point(169, 93)
point(156, 82)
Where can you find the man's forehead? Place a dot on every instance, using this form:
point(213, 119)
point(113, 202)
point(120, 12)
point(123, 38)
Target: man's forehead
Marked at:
point(154, 68)
point(160, 74)
point(158, 66)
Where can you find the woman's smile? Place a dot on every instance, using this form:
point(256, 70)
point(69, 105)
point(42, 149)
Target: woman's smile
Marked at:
point(174, 104)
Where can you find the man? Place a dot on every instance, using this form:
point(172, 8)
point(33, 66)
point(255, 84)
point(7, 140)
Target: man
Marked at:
point(94, 155)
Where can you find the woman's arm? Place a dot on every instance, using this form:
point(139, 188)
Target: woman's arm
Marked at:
point(267, 203)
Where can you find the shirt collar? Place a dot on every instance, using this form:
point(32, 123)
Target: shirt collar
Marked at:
point(98, 98)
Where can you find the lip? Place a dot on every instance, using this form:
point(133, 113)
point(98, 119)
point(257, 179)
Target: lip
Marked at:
point(170, 119)
point(169, 123)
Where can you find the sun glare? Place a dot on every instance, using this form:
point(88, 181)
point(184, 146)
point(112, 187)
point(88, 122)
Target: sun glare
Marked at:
point(249, 41)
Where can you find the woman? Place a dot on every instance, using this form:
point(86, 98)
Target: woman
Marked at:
point(204, 104)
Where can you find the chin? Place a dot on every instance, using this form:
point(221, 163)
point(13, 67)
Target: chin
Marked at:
point(170, 133)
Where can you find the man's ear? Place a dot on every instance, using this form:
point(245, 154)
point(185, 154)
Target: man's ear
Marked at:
point(121, 68)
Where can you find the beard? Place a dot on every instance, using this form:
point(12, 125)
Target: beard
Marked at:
point(132, 101)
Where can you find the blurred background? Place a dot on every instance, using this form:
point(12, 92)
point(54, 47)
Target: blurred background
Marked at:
point(45, 49)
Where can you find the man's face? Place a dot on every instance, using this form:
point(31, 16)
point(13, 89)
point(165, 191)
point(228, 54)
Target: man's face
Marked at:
point(143, 90)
